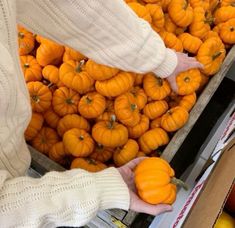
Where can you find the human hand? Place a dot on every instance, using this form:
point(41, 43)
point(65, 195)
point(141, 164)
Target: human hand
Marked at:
point(136, 204)
point(184, 63)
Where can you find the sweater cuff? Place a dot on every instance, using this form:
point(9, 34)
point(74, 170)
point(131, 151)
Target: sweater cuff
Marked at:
point(113, 191)
point(168, 65)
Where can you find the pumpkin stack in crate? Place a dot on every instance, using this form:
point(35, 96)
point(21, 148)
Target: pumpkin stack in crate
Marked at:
point(92, 116)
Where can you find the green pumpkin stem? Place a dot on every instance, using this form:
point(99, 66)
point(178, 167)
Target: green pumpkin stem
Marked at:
point(69, 101)
point(21, 35)
point(111, 122)
point(88, 100)
point(179, 182)
point(159, 81)
point(216, 55)
point(26, 65)
point(78, 68)
point(91, 161)
point(35, 98)
point(133, 107)
point(81, 137)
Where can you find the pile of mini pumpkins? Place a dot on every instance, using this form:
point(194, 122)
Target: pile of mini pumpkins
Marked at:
point(92, 116)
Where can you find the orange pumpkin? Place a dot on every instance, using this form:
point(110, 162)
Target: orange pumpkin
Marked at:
point(126, 110)
point(108, 112)
point(188, 81)
point(92, 105)
point(140, 97)
point(141, 11)
point(169, 25)
point(224, 14)
point(71, 54)
point(78, 142)
point(188, 101)
point(203, 83)
point(155, 109)
point(31, 69)
point(65, 101)
point(152, 139)
point(34, 126)
point(140, 128)
point(227, 31)
point(123, 155)
point(51, 73)
point(87, 164)
point(110, 133)
point(164, 4)
point(227, 3)
point(101, 153)
point(156, 88)
point(156, 123)
point(115, 86)
point(171, 41)
point(74, 77)
point(40, 95)
point(25, 41)
point(45, 139)
point(155, 181)
point(49, 53)
point(138, 79)
point(205, 4)
point(180, 12)
point(51, 118)
point(200, 25)
point(174, 119)
point(190, 43)
point(72, 121)
point(58, 153)
point(211, 34)
point(157, 16)
point(100, 72)
point(211, 54)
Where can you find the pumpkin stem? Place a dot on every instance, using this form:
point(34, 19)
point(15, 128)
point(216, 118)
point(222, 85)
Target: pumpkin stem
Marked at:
point(187, 79)
point(26, 65)
point(50, 85)
point(81, 137)
point(111, 122)
point(69, 101)
point(88, 100)
point(91, 161)
point(133, 107)
point(179, 182)
point(216, 55)
point(232, 29)
point(209, 21)
point(35, 98)
point(21, 35)
point(185, 5)
point(78, 68)
point(100, 146)
point(159, 81)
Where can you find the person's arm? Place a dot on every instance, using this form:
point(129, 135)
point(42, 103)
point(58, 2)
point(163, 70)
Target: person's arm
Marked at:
point(68, 198)
point(107, 31)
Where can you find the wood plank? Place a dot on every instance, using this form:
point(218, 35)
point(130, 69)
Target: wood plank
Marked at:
point(203, 100)
point(130, 217)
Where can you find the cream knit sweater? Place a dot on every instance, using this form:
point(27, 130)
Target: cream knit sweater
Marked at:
point(104, 30)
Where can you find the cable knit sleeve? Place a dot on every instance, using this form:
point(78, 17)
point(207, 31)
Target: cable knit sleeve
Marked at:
point(106, 31)
point(68, 198)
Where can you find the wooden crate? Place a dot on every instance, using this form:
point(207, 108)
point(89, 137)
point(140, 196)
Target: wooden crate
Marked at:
point(120, 218)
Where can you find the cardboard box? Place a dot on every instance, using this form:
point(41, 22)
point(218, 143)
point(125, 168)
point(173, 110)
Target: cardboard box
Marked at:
point(212, 198)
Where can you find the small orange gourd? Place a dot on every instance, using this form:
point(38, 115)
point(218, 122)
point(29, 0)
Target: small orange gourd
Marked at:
point(101, 153)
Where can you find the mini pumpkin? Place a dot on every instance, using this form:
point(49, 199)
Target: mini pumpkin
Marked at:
point(31, 69)
point(188, 101)
point(205, 4)
point(174, 119)
point(164, 4)
point(25, 41)
point(51, 73)
point(75, 77)
point(100, 72)
point(224, 14)
point(155, 181)
point(92, 105)
point(123, 155)
point(156, 88)
point(188, 81)
point(211, 34)
point(171, 41)
point(49, 53)
point(71, 54)
point(180, 12)
point(211, 54)
point(138, 79)
point(58, 153)
point(227, 31)
point(141, 11)
point(140, 97)
point(51, 118)
point(110, 133)
point(126, 109)
point(45, 139)
point(140, 128)
point(87, 164)
point(108, 112)
point(169, 25)
point(200, 25)
point(203, 83)
point(190, 43)
point(72, 121)
point(156, 123)
point(40, 96)
point(78, 142)
point(101, 153)
point(227, 3)
point(65, 101)
point(157, 16)
point(115, 86)
point(34, 126)
point(152, 139)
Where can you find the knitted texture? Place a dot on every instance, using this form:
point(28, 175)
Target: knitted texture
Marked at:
point(106, 31)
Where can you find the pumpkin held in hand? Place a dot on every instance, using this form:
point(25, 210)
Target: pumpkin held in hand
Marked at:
point(155, 181)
